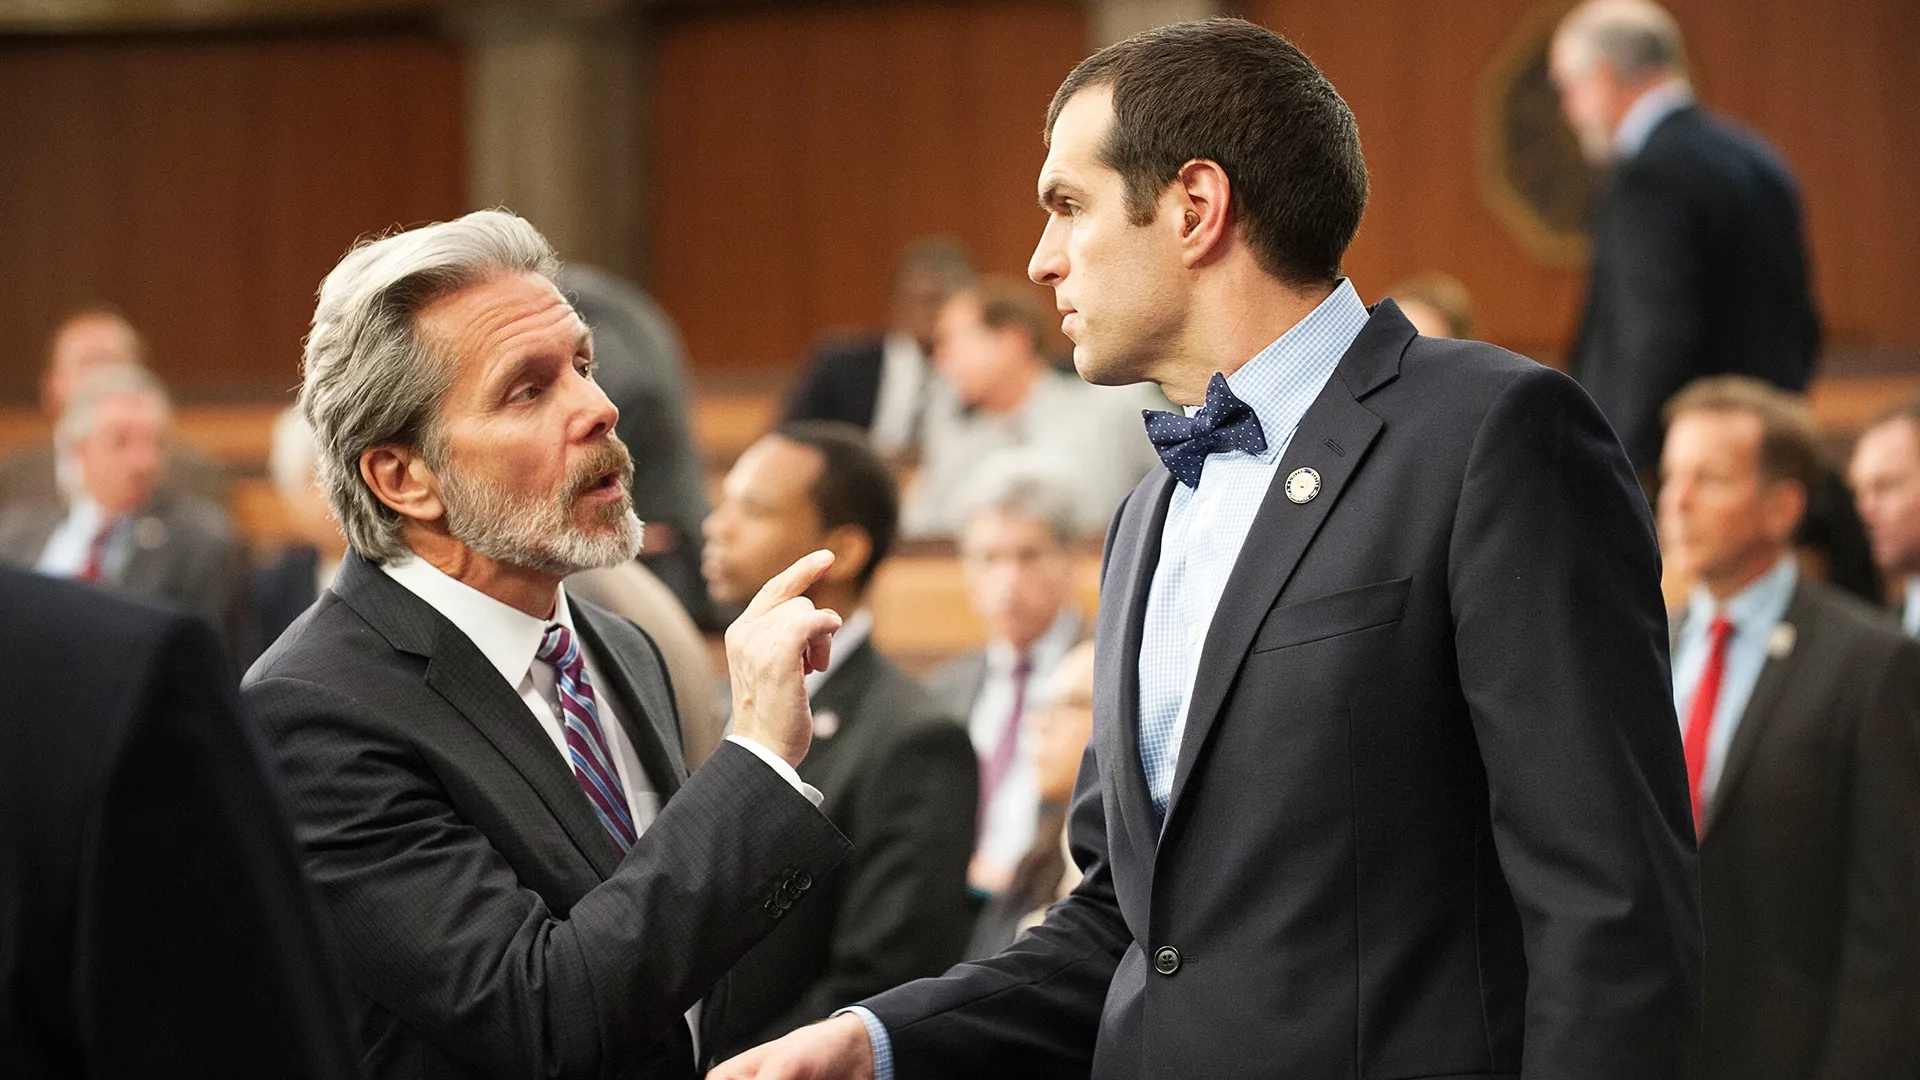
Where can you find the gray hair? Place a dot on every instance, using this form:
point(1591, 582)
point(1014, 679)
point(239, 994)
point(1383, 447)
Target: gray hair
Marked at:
point(1026, 484)
point(1638, 39)
point(368, 377)
point(118, 380)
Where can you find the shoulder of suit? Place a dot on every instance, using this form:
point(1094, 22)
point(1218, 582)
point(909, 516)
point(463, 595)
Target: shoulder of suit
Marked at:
point(1834, 611)
point(910, 709)
point(1455, 369)
point(849, 353)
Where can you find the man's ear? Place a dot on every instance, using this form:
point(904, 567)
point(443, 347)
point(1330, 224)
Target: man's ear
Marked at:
point(852, 550)
point(401, 478)
point(1200, 198)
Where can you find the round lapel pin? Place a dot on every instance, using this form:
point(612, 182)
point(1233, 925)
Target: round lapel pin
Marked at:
point(1302, 485)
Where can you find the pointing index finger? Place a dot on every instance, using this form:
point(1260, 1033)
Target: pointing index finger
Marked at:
point(789, 583)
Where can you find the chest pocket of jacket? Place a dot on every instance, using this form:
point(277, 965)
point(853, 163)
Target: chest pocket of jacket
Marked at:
point(1344, 612)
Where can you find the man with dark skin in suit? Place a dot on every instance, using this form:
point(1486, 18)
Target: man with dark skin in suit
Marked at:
point(896, 773)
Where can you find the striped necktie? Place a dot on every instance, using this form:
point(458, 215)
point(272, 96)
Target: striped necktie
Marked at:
point(586, 744)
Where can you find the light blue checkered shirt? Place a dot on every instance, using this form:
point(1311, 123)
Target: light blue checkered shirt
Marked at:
point(1207, 525)
point(1201, 540)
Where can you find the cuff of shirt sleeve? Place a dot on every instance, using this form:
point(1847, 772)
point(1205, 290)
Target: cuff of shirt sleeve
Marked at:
point(877, 1035)
point(779, 765)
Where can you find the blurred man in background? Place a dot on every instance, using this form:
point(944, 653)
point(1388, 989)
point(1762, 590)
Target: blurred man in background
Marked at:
point(153, 920)
point(895, 771)
point(1017, 553)
point(883, 385)
point(1045, 872)
point(1000, 390)
point(1885, 473)
point(1800, 711)
point(85, 342)
point(119, 527)
point(1699, 265)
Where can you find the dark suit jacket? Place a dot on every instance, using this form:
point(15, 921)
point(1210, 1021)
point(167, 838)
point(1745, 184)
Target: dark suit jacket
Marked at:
point(153, 921)
point(1810, 859)
point(1430, 814)
point(841, 382)
point(488, 924)
point(183, 552)
point(1699, 268)
point(900, 780)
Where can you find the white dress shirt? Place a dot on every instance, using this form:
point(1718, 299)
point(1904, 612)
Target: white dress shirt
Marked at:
point(901, 400)
point(1910, 612)
point(72, 540)
point(1009, 820)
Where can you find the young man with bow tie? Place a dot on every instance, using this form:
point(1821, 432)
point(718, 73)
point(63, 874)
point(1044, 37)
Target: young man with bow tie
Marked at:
point(1385, 779)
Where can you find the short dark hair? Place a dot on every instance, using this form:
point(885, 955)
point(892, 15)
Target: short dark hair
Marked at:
point(1245, 98)
point(1789, 441)
point(938, 257)
point(855, 486)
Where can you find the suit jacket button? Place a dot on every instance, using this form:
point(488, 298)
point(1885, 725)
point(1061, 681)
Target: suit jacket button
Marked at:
point(802, 881)
point(1166, 960)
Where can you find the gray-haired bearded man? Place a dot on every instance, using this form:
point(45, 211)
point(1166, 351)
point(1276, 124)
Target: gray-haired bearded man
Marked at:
point(485, 775)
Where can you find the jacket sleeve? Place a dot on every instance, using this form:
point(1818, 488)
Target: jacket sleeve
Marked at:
point(904, 913)
point(197, 949)
point(1562, 650)
point(1034, 1009)
point(1873, 1026)
point(436, 927)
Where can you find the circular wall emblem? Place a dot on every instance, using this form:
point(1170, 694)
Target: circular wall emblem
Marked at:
point(1303, 485)
point(1531, 171)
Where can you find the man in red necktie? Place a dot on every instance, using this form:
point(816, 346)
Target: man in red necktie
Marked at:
point(1800, 707)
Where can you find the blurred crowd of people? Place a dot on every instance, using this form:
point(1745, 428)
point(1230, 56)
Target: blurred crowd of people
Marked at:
point(1792, 577)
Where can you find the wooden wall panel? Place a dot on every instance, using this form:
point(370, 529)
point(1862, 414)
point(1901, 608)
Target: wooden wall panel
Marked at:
point(206, 182)
point(1831, 82)
point(796, 150)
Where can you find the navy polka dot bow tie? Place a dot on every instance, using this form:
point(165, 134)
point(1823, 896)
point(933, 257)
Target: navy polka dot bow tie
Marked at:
point(1224, 423)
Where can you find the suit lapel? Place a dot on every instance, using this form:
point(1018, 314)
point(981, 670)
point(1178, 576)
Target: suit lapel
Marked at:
point(644, 720)
point(1332, 439)
point(1122, 620)
point(460, 674)
point(1774, 679)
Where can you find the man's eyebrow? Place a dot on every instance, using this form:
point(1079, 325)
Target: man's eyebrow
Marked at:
point(1056, 191)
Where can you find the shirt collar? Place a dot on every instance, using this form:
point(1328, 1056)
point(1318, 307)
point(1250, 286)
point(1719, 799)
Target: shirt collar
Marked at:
point(508, 637)
point(1646, 113)
point(1281, 380)
point(1760, 604)
point(853, 633)
point(85, 516)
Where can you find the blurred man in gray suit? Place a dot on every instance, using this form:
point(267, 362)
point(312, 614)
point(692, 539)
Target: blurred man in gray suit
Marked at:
point(119, 527)
point(1800, 712)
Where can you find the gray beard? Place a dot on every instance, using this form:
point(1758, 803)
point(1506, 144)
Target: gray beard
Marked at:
point(537, 534)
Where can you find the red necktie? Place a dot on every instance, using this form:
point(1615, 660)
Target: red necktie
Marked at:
point(95, 568)
point(995, 768)
point(1706, 698)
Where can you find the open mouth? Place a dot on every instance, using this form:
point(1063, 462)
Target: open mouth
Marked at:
point(605, 486)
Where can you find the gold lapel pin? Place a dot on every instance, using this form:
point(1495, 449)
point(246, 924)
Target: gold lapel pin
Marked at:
point(1302, 485)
